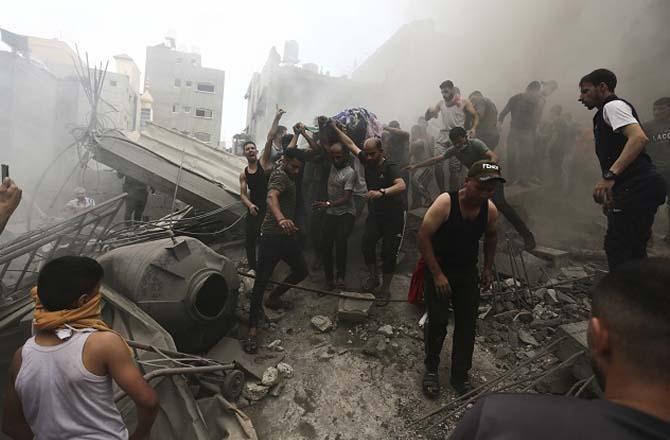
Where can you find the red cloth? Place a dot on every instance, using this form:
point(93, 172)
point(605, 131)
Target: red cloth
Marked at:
point(415, 294)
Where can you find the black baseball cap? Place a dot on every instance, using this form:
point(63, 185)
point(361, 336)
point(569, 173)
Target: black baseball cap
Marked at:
point(485, 171)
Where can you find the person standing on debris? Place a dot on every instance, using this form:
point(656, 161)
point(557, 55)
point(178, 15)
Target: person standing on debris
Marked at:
point(253, 192)
point(10, 197)
point(487, 130)
point(136, 201)
point(448, 240)
point(453, 109)
point(278, 241)
point(340, 215)
point(386, 212)
point(60, 381)
point(658, 130)
point(630, 190)
point(469, 151)
point(628, 342)
point(526, 110)
point(80, 203)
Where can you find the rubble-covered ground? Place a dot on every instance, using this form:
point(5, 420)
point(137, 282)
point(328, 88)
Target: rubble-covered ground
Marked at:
point(363, 381)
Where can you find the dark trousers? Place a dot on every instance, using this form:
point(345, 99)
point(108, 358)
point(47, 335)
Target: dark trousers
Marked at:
point(252, 230)
point(135, 208)
point(438, 169)
point(510, 213)
point(627, 234)
point(271, 250)
point(464, 282)
point(389, 228)
point(337, 229)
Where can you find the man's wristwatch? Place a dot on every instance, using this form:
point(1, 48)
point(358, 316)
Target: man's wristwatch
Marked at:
point(609, 175)
point(383, 191)
point(327, 204)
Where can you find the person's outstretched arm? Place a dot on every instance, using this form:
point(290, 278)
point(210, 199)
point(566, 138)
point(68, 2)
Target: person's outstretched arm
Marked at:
point(10, 197)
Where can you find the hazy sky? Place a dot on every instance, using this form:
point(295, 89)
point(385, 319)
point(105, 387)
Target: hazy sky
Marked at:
point(235, 36)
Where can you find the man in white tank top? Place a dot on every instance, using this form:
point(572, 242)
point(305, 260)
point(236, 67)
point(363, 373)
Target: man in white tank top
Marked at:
point(452, 108)
point(60, 381)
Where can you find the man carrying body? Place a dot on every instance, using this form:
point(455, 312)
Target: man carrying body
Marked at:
point(630, 190)
point(10, 197)
point(386, 211)
point(628, 341)
point(469, 151)
point(253, 192)
point(658, 131)
point(278, 241)
point(79, 203)
point(487, 130)
point(448, 240)
point(452, 108)
point(526, 110)
point(60, 381)
point(340, 214)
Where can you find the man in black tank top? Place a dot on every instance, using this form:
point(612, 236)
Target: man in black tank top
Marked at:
point(253, 191)
point(449, 244)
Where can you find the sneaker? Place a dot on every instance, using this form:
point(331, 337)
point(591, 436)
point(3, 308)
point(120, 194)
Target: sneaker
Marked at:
point(461, 387)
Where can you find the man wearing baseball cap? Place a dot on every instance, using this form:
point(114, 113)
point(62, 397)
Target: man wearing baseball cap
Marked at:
point(449, 244)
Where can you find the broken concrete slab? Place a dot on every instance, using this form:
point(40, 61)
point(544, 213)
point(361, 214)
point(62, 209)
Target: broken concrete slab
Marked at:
point(556, 257)
point(254, 392)
point(527, 338)
point(230, 350)
point(270, 377)
point(575, 341)
point(574, 272)
point(551, 297)
point(355, 310)
point(322, 323)
point(285, 370)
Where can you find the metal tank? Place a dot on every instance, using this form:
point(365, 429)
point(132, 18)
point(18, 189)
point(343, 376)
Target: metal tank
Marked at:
point(189, 289)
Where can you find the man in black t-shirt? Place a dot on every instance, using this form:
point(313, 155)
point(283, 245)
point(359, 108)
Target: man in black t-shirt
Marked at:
point(386, 211)
point(628, 339)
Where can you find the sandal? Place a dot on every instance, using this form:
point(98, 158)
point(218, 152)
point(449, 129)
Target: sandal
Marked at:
point(431, 385)
point(278, 304)
point(250, 345)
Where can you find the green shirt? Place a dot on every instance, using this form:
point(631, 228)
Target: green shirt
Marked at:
point(281, 182)
point(473, 151)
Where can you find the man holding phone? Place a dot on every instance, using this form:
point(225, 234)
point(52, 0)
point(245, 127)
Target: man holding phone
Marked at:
point(10, 197)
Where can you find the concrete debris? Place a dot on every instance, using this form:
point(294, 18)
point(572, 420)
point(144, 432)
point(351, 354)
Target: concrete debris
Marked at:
point(551, 296)
point(540, 293)
point(322, 323)
point(524, 316)
point(247, 283)
point(385, 330)
point(574, 272)
point(276, 390)
point(564, 297)
point(527, 338)
point(354, 310)
point(242, 403)
point(484, 311)
point(255, 392)
point(271, 377)
point(285, 370)
point(511, 282)
point(376, 346)
point(275, 345)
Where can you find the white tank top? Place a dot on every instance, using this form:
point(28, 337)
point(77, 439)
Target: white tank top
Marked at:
point(453, 116)
point(61, 398)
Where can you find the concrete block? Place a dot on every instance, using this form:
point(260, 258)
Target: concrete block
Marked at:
point(557, 257)
point(355, 310)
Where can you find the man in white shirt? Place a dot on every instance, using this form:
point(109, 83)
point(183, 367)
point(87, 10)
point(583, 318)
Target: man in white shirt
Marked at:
point(79, 203)
point(630, 190)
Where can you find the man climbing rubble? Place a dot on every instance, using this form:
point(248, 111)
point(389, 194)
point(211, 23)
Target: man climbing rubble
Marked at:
point(386, 212)
point(469, 151)
point(630, 190)
point(448, 240)
point(10, 197)
point(628, 342)
point(278, 241)
point(60, 381)
point(453, 110)
point(253, 192)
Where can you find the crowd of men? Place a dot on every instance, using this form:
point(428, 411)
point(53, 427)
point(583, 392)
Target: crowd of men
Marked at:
point(61, 380)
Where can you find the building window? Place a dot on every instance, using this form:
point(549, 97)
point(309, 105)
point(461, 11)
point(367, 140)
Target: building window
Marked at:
point(202, 136)
point(177, 82)
point(203, 113)
point(175, 108)
point(112, 82)
point(178, 60)
point(187, 109)
point(189, 83)
point(206, 87)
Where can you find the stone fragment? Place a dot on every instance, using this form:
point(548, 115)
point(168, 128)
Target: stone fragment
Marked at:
point(527, 338)
point(322, 323)
point(285, 370)
point(540, 293)
point(503, 352)
point(574, 272)
point(385, 330)
point(254, 392)
point(242, 403)
point(564, 297)
point(274, 344)
point(270, 377)
point(276, 390)
point(355, 310)
point(551, 297)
